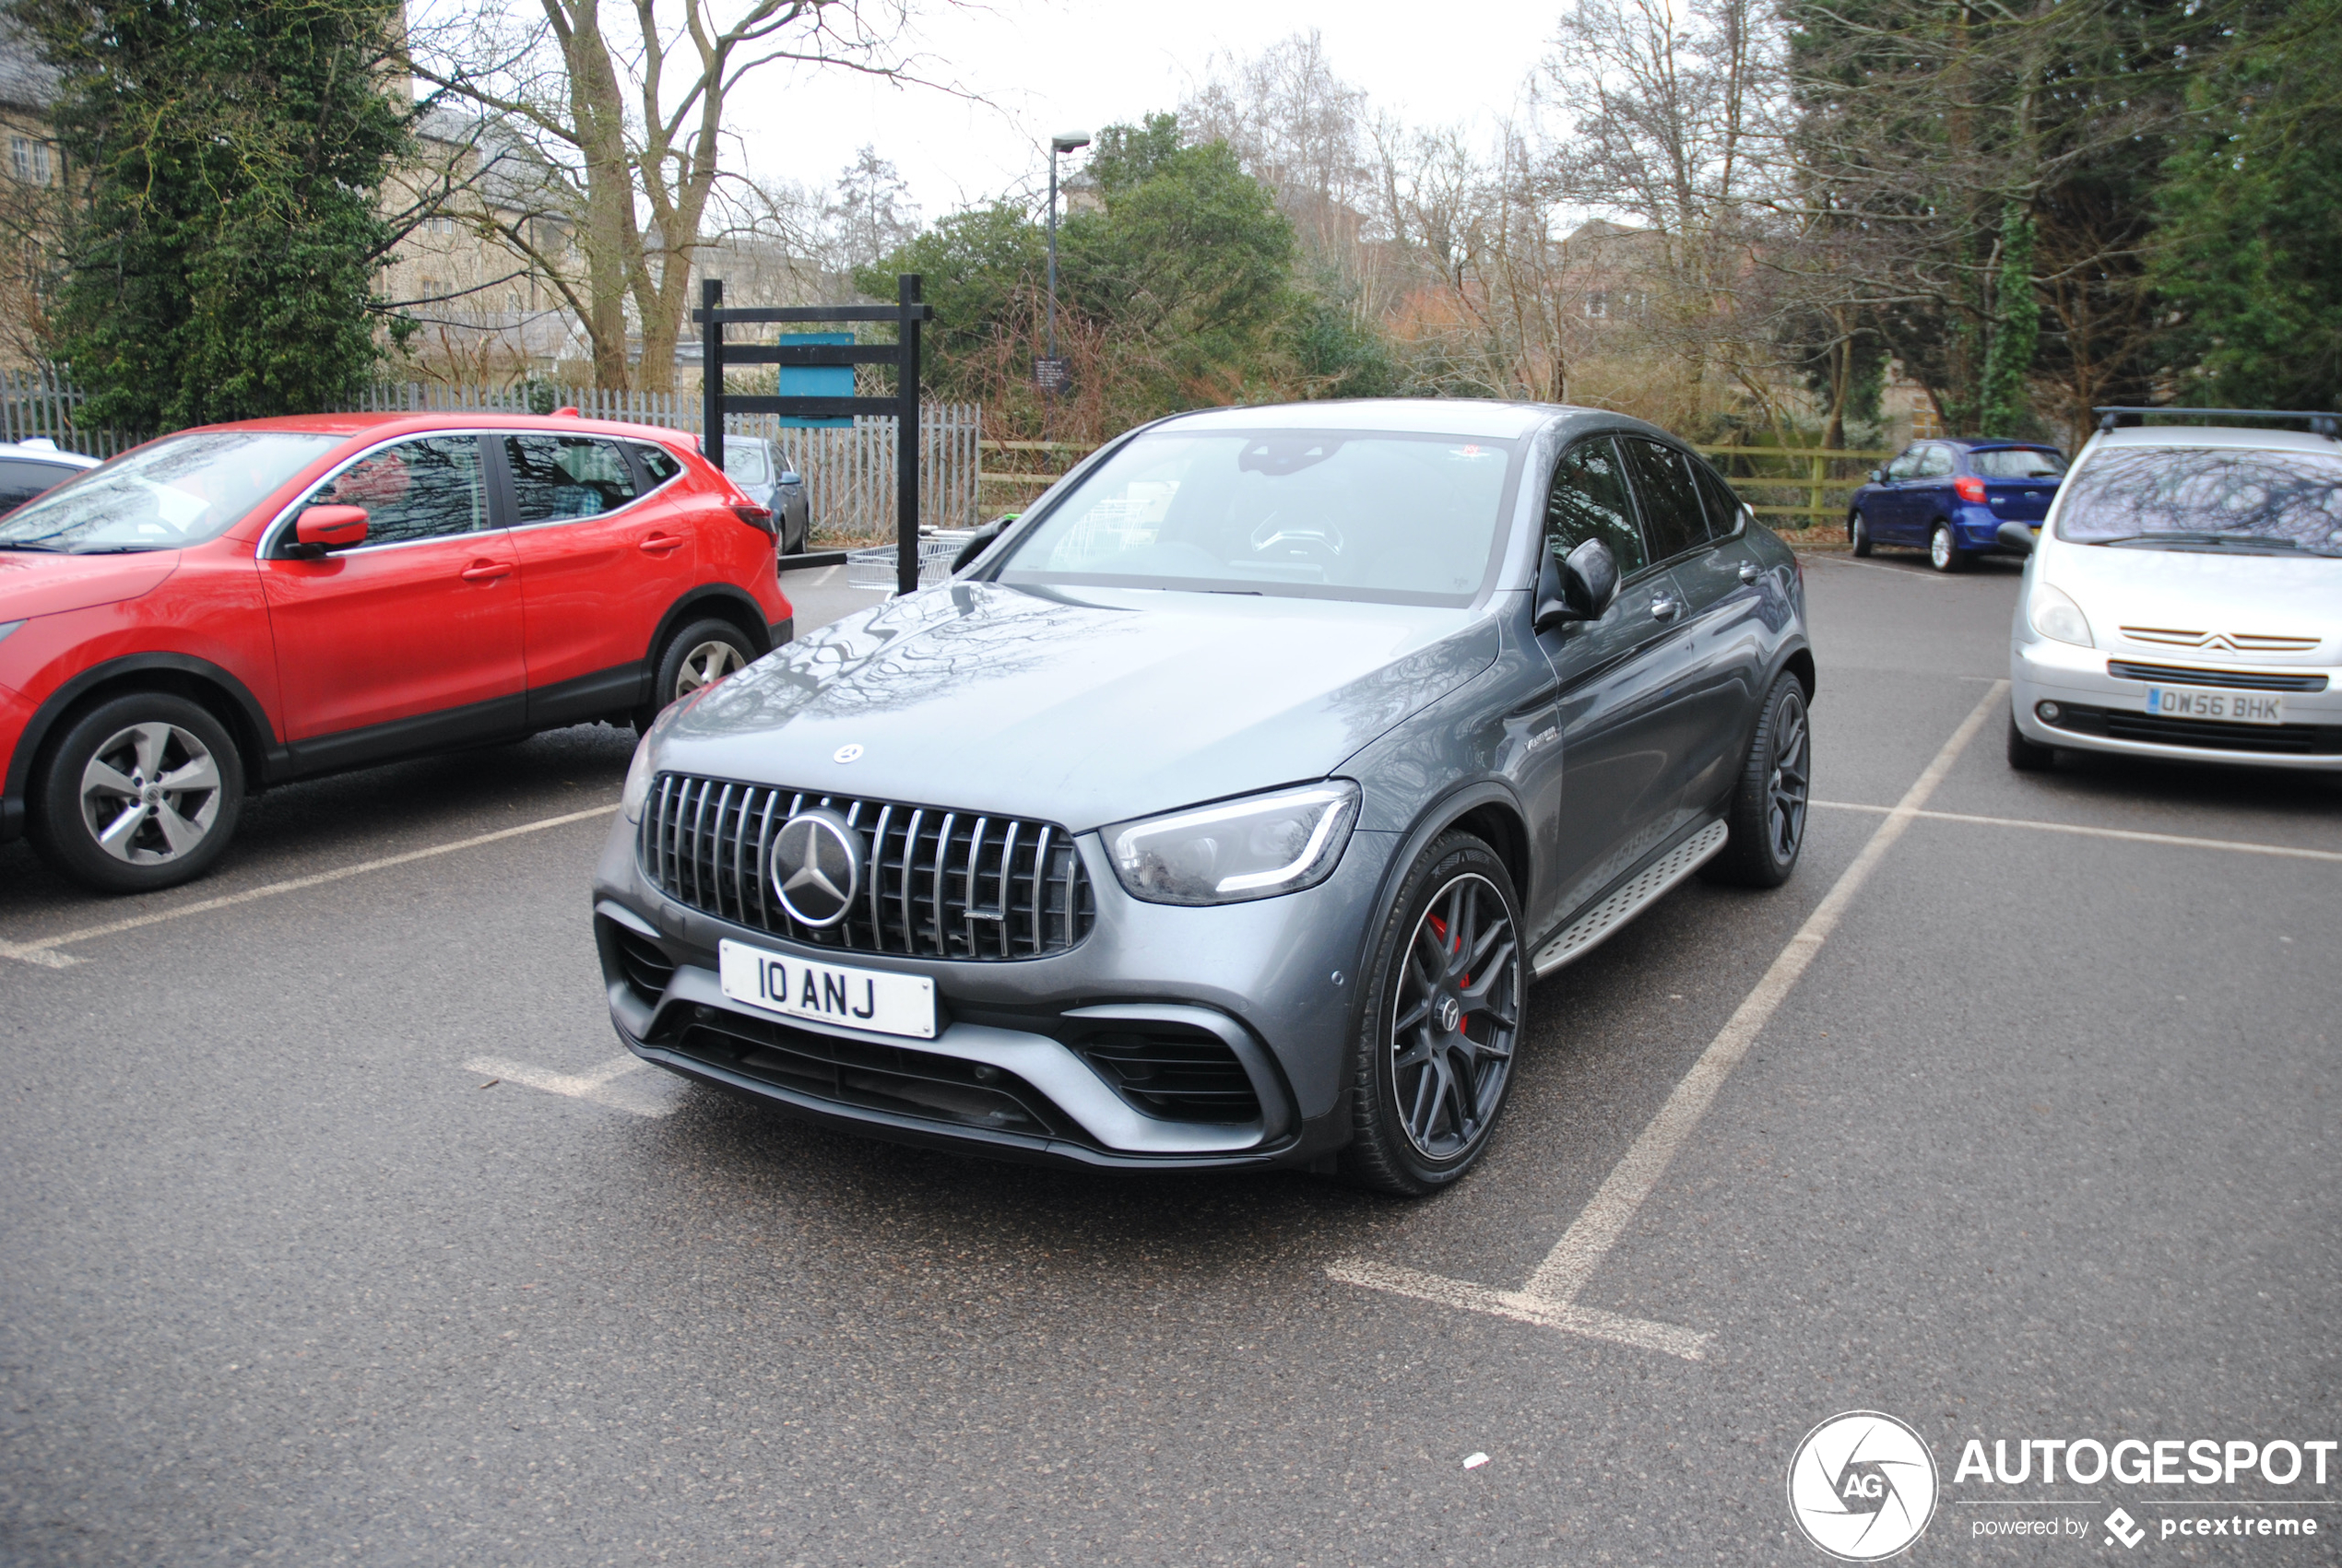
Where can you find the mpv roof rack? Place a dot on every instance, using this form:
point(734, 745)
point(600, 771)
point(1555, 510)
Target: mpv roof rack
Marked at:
point(2321, 422)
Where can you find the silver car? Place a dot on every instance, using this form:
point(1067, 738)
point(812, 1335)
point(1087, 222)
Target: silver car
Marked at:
point(2185, 601)
point(1220, 811)
point(762, 472)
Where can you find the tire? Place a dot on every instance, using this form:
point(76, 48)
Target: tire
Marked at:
point(1773, 797)
point(1412, 1132)
point(699, 655)
point(2028, 756)
point(1858, 533)
point(1942, 550)
point(141, 793)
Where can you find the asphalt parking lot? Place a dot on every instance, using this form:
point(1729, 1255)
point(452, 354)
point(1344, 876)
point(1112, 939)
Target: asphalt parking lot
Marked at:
point(336, 1229)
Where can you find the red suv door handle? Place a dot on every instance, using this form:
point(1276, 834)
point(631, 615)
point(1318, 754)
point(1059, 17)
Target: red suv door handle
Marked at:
point(658, 544)
point(486, 570)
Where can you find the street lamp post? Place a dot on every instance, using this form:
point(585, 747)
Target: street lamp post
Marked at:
point(1065, 141)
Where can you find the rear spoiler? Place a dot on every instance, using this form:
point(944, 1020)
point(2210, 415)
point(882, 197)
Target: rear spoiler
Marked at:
point(2320, 421)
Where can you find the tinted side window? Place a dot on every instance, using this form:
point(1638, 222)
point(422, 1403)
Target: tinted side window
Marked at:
point(659, 463)
point(425, 489)
point(21, 481)
point(1673, 520)
point(1934, 463)
point(556, 479)
point(1588, 500)
point(1905, 465)
point(1724, 506)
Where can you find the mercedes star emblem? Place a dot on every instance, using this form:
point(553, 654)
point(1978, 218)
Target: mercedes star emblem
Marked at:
point(817, 865)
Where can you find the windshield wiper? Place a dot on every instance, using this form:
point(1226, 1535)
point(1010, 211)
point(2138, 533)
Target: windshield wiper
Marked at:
point(44, 549)
point(2176, 537)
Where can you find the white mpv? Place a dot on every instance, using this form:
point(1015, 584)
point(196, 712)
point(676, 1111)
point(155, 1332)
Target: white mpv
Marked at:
point(2183, 600)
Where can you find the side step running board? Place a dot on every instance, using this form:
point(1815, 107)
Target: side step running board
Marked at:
point(1588, 930)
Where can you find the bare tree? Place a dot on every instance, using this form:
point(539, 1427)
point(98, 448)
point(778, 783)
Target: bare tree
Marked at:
point(623, 113)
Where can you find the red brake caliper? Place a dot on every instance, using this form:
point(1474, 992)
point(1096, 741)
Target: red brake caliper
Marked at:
point(1440, 929)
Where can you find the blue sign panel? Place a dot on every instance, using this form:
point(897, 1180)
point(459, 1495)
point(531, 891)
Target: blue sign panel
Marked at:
point(816, 381)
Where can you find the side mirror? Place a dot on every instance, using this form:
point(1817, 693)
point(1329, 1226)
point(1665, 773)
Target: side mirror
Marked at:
point(1577, 588)
point(790, 477)
point(2015, 536)
point(322, 529)
point(1879, 475)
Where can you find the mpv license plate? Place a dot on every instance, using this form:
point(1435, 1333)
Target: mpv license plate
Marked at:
point(2231, 707)
point(829, 993)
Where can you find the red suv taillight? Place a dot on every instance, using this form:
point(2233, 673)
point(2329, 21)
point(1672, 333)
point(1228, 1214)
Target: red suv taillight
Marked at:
point(759, 517)
point(1969, 487)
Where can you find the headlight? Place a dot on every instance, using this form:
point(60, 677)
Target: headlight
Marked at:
point(1253, 848)
point(638, 781)
point(2058, 618)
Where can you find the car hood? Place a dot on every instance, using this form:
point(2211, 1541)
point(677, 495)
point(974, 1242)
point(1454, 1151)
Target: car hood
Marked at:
point(2198, 590)
point(1079, 707)
point(32, 584)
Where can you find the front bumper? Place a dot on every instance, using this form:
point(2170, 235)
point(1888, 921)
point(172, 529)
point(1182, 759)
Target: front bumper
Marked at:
point(1031, 1057)
point(2101, 712)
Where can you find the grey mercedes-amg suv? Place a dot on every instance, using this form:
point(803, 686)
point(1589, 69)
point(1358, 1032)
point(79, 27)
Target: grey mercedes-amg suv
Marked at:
point(1220, 812)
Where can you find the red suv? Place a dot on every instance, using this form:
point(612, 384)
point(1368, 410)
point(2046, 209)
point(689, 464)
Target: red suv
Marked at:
point(241, 605)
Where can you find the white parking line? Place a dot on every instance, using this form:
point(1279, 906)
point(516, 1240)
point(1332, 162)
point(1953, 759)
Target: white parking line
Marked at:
point(600, 1086)
point(45, 951)
point(1549, 1299)
point(2235, 846)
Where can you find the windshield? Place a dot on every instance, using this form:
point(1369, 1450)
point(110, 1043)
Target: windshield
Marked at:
point(1391, 518)
point(166, 495)
point(2017, 463)
point(744, 462)
point(2193, 495)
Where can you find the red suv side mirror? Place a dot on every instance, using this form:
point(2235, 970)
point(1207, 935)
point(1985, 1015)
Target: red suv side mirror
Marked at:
point(331, 528)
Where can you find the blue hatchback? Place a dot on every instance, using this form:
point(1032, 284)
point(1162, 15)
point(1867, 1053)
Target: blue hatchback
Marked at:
point(1951, 496)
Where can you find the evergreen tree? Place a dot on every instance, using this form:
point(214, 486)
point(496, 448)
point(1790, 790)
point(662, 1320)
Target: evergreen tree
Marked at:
point(231, 156)
point(2251, 221)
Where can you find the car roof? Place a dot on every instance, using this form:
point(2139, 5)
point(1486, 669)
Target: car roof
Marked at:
point(2216, 435)
point(46, 453)
point(1432, 416)
point(425, 423)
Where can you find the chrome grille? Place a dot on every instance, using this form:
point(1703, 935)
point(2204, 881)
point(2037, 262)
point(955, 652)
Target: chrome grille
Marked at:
point(935, 883)
point(2219, 642)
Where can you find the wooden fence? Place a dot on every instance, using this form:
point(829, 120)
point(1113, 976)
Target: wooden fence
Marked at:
point(1022, 469)
point(1811, 474)
point(849, 471)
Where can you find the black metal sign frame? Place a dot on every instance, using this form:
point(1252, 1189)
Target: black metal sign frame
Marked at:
point(906, 312)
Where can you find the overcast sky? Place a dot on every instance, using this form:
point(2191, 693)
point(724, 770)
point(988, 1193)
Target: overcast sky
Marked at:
point(1048, 65)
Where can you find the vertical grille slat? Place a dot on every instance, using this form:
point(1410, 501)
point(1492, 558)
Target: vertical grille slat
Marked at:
point(943, 883)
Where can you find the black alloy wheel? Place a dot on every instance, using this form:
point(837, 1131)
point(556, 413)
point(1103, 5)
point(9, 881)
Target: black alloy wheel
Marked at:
point(1766, 821)
point(1441, 1022)
point(1858, 533)
point(141, 793)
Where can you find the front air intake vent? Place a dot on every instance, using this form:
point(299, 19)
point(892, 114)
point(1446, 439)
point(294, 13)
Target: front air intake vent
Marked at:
point(1176, 1074)
point(933, 882)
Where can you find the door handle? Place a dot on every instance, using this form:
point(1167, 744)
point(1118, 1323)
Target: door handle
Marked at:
point(1748, 573)
point(486, 570)
point(659, 543)
point(1665, 607)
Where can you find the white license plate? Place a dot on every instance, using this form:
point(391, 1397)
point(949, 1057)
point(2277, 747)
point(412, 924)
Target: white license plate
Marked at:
point(2229, 707)
point(829, 993)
